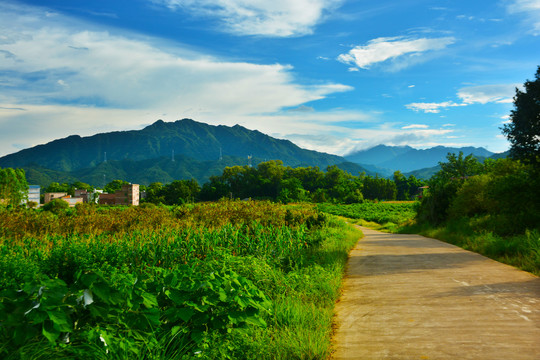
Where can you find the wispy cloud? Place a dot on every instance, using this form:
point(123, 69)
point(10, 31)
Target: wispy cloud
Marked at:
point(415, 126)
point(432, 107)
point(484, 94)
point(279, 18)
point(530, 9)
point(500, 94)
point(95, 80)
point(391, 48)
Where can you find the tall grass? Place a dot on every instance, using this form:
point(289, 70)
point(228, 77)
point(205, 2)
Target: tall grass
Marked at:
point(145, 266)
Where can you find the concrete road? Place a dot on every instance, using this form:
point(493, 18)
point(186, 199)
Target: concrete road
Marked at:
point(411, 297)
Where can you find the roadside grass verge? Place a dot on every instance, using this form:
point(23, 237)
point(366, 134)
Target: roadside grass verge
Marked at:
point(471, 233)
point(521, 251)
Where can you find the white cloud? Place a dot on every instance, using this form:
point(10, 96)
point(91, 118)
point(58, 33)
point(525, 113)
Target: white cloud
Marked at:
point(255, 17)
point(433, 108)
point(484, 94)
point(384, 49)
point(415, 126)
point(71, 81)
point(530, 9)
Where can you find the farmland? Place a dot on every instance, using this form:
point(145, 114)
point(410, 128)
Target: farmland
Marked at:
point(386, 214)
point(239, 280)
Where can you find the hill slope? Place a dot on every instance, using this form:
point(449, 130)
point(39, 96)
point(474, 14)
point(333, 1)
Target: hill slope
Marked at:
point(145, 156)
point(187, 137)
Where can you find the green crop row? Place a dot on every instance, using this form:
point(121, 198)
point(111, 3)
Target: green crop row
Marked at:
point(238, 280)
point(378, 212)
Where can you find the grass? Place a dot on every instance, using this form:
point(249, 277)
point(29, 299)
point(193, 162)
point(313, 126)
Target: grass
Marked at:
point(284, 262)
point(521, 251)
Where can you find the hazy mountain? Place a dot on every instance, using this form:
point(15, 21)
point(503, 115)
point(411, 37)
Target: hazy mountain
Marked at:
point(426, 173)
point(377, 154)
point(145, 156)
point(407, 159)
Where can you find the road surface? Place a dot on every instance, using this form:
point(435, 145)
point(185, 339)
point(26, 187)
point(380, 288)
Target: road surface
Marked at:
point(411, 297)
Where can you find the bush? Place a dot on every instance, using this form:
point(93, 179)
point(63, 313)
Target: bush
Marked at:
point(56, 206)
point(472, 198)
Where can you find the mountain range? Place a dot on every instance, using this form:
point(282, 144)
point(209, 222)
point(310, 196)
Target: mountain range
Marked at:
point(162, 152)
point(185, 149)
point(386, 159)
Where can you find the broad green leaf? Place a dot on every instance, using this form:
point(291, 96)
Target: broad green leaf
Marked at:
point(50, 331)
point(149, 300)
point(185, 313)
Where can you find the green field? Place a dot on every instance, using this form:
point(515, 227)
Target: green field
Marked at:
point(386, 214)
point(225, 280)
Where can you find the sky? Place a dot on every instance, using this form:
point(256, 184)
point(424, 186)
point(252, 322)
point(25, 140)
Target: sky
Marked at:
point(330, 75)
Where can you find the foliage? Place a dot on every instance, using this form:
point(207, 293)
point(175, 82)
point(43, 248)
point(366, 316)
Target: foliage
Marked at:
point(56, 206)
point(444, 185)
point(114, 186)
point(376, 188)
point(407, 188)
point(67, 188)
point(381, 212)
point(177, 192)
point(495, 211)
point(13, 186)
point(523, 131)
point(222, 280)
point(272, 180)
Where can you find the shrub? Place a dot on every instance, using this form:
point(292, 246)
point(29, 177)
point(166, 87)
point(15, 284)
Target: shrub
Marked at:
point(56, 206)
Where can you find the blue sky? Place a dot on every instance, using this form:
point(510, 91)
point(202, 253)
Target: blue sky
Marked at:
point(329, 75)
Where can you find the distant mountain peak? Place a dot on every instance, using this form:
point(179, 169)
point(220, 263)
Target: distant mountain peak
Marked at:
point(196, 140)
point(406, 158)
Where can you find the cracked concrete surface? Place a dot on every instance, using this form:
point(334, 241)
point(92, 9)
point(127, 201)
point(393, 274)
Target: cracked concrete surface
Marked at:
point(411, 297)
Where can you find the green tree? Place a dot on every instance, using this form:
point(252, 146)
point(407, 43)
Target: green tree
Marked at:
point(444, 185)
point(56, 206)
point(379, 188)
point(13, 186)
point(402, 186)
point(56, 187)
point(214, 189)
point(523, 131)
point(114, 186)
point(291, 190)
point(154, 193)
point(181, 191)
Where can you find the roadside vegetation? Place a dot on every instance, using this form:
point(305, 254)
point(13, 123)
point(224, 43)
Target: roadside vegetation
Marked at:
point(224, 280)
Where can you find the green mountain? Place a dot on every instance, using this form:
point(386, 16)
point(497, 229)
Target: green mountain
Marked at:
point(161, 152)
point(407, 159)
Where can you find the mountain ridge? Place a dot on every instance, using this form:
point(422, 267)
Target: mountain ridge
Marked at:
point(188, 137)
point(144, 156)
point(408, 159)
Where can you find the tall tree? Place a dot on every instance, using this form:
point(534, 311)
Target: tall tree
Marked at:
point(523, 131)
point(13, 186)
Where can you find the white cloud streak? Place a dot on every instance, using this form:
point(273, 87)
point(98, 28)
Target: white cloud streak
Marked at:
point(415, 126)
point(433, 108)
point(391, 48)
point(276, 18)
point(483, 94)
point(530, 9)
